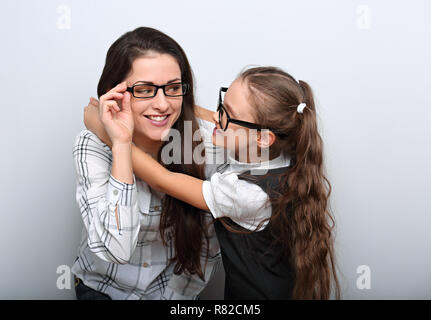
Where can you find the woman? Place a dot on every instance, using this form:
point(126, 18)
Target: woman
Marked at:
point(138, 243)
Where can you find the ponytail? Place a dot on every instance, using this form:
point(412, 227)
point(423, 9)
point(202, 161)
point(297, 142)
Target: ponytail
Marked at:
point(312, 223)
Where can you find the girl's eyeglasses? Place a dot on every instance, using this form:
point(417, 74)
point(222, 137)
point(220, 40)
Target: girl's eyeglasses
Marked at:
point(225, 118)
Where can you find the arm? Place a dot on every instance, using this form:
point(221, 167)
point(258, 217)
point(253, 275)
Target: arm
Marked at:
point(93, 123)
point(204, 114)
point(114, 127)
point(106, 191)
point(108, 207)
point(177, 185)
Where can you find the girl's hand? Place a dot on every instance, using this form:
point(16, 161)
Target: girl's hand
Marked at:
point(93, 123)
point(118, 122)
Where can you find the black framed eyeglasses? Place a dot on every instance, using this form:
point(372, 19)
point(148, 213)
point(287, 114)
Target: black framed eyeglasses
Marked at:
point(225, 118)
point(146, 91)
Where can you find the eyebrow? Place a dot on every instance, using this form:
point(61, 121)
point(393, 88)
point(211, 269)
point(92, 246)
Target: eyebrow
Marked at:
point(152, 83)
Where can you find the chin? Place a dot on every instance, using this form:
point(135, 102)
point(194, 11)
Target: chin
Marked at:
point(153, 136)
point(149, 135)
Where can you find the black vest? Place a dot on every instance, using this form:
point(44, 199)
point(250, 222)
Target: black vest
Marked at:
point(255, 267)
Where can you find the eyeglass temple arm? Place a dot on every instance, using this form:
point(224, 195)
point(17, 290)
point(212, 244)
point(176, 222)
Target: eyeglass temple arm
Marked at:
point(222, 89)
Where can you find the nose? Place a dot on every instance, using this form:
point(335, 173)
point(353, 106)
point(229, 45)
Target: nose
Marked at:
point(161, 102)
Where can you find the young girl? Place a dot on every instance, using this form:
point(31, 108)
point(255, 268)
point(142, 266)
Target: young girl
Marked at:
point(272, 217)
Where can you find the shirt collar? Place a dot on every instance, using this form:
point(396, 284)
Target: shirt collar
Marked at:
point(278, 162)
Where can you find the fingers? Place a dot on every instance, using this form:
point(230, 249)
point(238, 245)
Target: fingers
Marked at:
point(119, 88)
point(108, 110)
point(111, 95)
point(126, 102)
point(116, 92)
point(108, 101)
point(94, 102)
point(92, 106)
point(91, 116)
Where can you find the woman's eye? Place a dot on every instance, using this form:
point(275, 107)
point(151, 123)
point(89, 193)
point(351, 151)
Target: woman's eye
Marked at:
point(174, 89)
point(144, 91)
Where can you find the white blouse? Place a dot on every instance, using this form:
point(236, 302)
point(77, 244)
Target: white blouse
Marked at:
point(242, 201)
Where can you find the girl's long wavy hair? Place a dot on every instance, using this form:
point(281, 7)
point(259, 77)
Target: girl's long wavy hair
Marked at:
point(301, 220)
point(180, 222)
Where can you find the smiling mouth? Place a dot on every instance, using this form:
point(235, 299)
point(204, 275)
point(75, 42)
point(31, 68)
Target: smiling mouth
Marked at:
point(157, 118)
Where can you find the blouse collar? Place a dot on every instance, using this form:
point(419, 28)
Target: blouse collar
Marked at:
point(278, 162)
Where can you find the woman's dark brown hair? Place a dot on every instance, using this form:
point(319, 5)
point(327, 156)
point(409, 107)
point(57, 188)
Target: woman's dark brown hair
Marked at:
point(180, 222)
point(301, 219)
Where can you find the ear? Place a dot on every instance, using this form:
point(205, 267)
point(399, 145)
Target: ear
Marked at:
point(265, 138)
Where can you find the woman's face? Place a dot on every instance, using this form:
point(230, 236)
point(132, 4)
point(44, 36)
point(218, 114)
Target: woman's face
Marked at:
point(153, 116)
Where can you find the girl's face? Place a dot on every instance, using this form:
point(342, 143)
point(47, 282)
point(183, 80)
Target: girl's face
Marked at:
point(153, 116)
point(235, 138)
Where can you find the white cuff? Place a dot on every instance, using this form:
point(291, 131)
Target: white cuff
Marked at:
point(120, 192)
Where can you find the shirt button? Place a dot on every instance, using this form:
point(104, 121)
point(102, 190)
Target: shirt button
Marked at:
point(145, 265)
point(115, 192)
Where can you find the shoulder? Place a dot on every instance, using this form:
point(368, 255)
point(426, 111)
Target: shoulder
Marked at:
point(248, 194)
point(204, 120)
point(234, 197)
point(87, 137)
point(204, 114)
point(87, 142)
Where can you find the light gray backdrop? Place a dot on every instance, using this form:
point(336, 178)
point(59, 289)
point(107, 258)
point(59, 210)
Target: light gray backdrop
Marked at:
point(369, 65)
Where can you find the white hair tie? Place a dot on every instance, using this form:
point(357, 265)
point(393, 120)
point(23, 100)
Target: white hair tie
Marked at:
point(301, 107)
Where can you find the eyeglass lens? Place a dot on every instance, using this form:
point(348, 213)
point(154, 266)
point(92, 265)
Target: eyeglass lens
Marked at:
point(148, 91)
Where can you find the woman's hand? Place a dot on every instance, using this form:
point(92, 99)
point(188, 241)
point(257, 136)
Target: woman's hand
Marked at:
point(118, 122)
point(93, 123)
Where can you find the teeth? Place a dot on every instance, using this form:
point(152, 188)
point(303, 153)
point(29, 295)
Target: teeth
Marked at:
point(157, 118)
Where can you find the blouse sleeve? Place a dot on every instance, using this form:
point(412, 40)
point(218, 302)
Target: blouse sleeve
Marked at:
point(242, 201)
point(109, 208)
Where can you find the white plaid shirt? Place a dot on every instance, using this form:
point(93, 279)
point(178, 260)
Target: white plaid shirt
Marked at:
point(126, 259)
